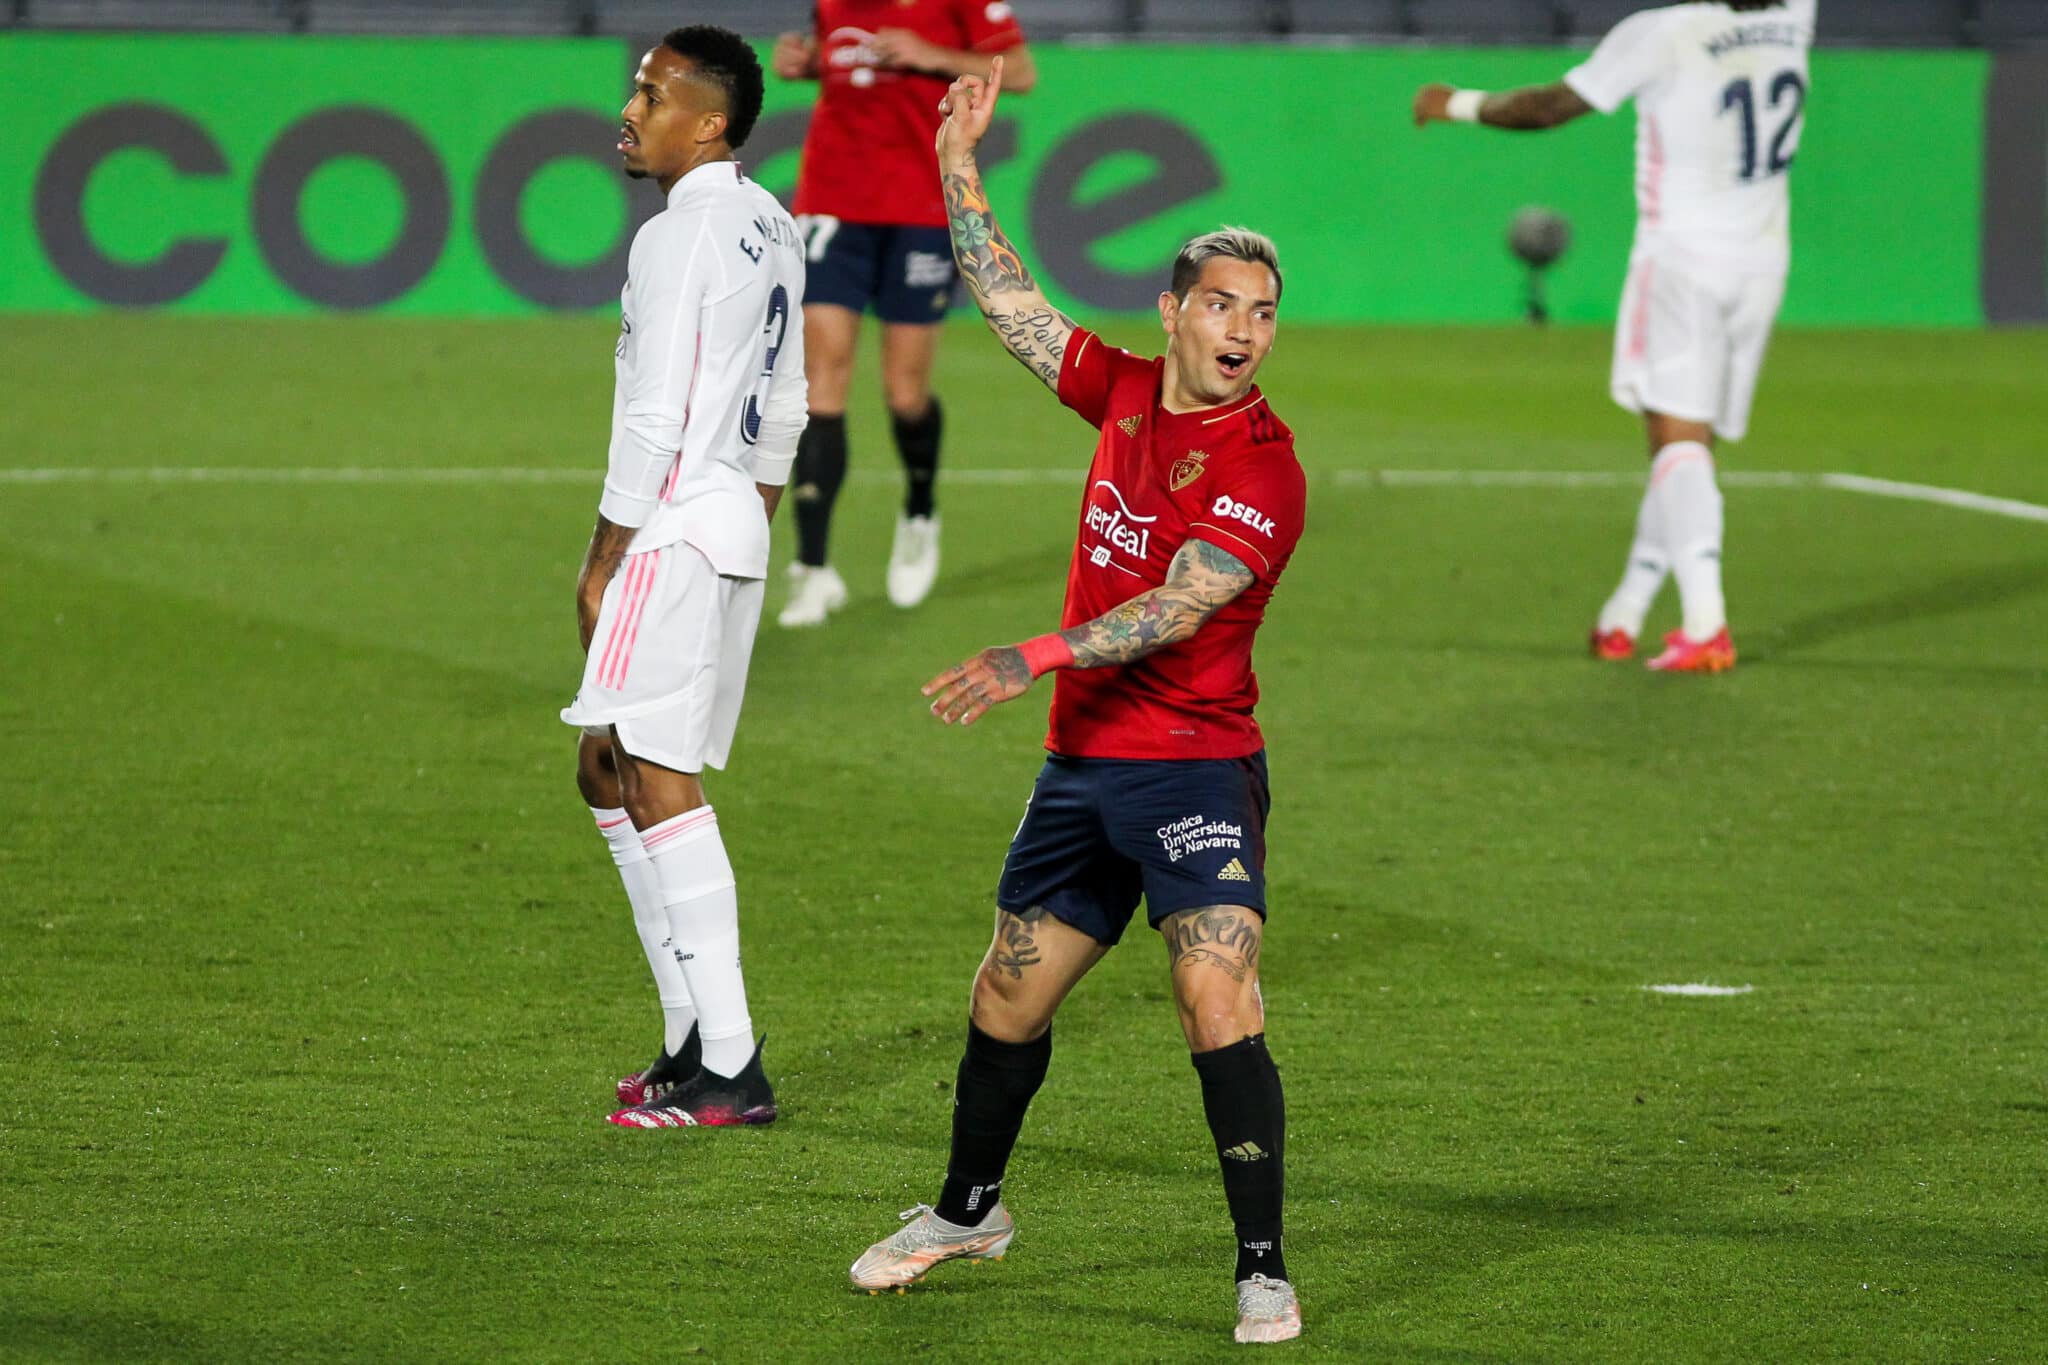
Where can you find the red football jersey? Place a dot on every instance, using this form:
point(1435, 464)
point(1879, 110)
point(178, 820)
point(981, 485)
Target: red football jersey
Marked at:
point(870, 155)
point(1224, 475)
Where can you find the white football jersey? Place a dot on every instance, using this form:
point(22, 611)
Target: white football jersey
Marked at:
point(1720, 100)
point(710, 395)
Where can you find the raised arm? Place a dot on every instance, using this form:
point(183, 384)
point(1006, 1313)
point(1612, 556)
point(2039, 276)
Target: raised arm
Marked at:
point(1532, 108)
point(1016, 311)
point(1202, 579)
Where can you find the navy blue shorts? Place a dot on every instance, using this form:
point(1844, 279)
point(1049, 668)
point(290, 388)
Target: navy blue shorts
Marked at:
point(905, 274)
point(1101, 832)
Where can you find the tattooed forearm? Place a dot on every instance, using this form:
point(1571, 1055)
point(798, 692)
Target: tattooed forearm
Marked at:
point(988, 262)
point(608, 545)
point(1031, 328)
point(1015, 947)
point(1201, 579)
point(1144, 625)
point(1036, 336)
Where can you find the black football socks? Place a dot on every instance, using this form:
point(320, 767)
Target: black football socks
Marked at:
point(995, 1086)
point(917, 445)
point(1248, 1118)
point(814, 485)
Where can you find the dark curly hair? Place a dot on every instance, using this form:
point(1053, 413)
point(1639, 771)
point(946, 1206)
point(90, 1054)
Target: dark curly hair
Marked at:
point(722, 57)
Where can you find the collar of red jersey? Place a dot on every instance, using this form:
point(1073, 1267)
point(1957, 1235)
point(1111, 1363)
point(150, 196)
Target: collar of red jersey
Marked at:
point(1209, 417)
point(703, 177)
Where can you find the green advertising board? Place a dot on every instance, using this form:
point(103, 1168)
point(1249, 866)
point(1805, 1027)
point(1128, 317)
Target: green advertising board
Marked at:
point(477, 178)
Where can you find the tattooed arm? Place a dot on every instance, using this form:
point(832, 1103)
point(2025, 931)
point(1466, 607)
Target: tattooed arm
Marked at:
point(1016, 310)
point(1201, 581)
point(607, 551)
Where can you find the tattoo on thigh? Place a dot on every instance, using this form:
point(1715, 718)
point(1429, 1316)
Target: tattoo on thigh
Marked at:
point(1205, 957)
point(1224, 938)
point(1016, 945)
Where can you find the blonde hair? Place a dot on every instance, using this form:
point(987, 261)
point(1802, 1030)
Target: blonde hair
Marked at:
point(1237, 243)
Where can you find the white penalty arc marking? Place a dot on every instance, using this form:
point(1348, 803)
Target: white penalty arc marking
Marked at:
point(1698, 988)
point(1862, 484)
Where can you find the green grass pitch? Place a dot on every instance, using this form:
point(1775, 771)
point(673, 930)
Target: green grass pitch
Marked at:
point(314, 979)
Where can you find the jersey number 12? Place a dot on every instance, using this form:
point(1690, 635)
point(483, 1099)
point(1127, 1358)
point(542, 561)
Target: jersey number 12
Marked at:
point(1787, 87)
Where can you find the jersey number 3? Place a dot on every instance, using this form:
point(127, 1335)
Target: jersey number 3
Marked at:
point(772, 333)
point(1787, 87)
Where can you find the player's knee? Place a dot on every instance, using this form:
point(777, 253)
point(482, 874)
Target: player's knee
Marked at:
point(597, 774)
point(909, 396)
point(1218, 1015)
point(1002, 1008)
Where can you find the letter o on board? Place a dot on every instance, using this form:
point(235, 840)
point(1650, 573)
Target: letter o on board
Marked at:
point(327, 136)
point(526, 147)
point(60, 204)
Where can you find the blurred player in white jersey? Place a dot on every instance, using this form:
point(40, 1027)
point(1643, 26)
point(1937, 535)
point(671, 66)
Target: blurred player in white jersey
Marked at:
point(707, 410)
point(1720, 92)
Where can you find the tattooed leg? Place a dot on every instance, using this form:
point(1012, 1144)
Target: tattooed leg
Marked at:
point(1033, 961)
point(1213, 953)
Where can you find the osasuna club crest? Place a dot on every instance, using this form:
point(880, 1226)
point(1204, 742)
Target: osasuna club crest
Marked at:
point(1187, 469)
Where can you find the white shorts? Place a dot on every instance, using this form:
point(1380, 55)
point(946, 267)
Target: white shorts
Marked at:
point(1690, 341)
point(668, 663)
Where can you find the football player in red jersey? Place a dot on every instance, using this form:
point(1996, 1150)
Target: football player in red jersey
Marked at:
point(1155, 786)
point(867, 200)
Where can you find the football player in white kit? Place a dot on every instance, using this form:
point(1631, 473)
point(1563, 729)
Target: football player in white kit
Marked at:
point(708, 405)
point(1720, 92)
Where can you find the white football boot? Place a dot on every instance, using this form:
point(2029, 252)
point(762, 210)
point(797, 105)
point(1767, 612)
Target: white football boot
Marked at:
point(1267, 1310)
point(814, 594)
point(913, 559)
point(925, 1240)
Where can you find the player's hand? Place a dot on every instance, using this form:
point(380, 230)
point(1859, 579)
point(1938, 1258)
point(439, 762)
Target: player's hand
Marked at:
point(963, 692)
point(795, 56)
point(1432, 103)
point(904, 49)
point(969, 105)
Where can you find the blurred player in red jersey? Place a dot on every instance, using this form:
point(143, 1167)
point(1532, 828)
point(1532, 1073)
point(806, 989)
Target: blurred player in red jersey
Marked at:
point(1155, 786)
point(868, 202)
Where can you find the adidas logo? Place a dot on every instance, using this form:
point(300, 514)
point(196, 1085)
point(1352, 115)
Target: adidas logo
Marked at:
point(1246, 1151)
point(1129, 424)
point(1233, 871)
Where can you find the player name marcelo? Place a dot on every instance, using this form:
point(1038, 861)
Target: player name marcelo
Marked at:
point(1755, 35)
point(1197, 833)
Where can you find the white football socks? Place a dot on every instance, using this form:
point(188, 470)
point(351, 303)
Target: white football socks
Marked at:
point(1689, 506)
point(650, 918)
point(704, 923)
point(1644, 576)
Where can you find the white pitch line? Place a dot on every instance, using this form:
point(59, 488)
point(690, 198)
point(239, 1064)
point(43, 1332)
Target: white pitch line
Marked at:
point(1698, 988)
point(1947, 497)
point(1960, 498)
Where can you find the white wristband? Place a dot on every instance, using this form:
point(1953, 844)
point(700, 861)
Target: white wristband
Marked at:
point(1464, 106)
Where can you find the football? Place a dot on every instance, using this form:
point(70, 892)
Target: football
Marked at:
point(1539, 235)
